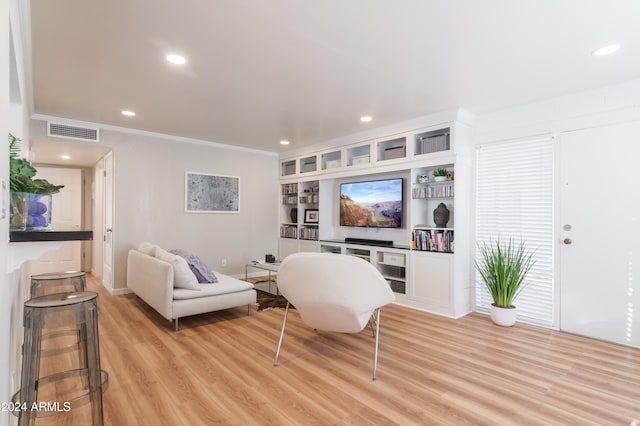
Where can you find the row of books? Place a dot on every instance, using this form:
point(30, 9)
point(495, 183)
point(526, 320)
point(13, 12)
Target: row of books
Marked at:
point(312, 198)
point(289, 231)
point(289, 188)
point(309, 234)
point(442, 191)
point(439, 240)
point(289, 199)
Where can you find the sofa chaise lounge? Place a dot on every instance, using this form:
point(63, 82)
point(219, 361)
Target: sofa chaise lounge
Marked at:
point(159, 280)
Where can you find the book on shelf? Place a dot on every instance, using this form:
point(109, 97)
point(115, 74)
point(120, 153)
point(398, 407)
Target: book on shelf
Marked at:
point(309, 198)
point(441, 191)
point(289, 188)
point(289, 231)
point(435, 240)
point(309, 233)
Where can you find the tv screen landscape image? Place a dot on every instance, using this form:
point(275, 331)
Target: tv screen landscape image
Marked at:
point(373, 204)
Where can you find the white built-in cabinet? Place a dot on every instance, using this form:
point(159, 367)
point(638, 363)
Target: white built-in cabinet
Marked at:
point(431, 280)
point(427, 267)
point(393, 263)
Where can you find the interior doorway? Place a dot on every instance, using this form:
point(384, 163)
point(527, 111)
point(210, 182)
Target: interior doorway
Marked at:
point(107, 230)
point(66, 214)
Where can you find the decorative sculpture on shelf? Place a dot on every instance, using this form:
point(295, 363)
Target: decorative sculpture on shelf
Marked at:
point(441, 215)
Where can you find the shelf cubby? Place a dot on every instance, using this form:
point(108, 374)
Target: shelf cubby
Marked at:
point(432, 141)
point(309, 164)
point(359, 155)
point(288, 168)
point(392, 149)
point(331, 160)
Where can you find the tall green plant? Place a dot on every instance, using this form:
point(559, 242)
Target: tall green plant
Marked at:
point(503, 268)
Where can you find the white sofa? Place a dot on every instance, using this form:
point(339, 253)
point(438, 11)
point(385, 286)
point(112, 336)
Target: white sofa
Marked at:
point(152, 279)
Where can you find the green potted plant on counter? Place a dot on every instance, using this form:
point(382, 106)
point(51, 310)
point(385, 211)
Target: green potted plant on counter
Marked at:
point(503, 268)
point(30, 197)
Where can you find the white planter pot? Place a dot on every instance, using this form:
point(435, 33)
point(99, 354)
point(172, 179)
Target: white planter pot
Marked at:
point(440, 178)
point(505, 317)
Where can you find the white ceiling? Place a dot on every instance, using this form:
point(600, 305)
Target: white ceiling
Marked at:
point(261, 71)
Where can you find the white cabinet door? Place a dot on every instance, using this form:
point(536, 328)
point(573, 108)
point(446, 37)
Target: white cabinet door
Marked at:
point(599, 233)
point(431, 280)
point(309, 246)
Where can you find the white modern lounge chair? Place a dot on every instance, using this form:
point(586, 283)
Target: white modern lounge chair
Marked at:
point(333, 292)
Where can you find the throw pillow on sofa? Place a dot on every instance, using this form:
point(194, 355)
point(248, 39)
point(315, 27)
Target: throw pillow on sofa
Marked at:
point(147, 248)
point(198, 267)
point(182, 275)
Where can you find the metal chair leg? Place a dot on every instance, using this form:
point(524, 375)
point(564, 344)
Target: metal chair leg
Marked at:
point(375, 353)
point(372, 323)
point(284, 323)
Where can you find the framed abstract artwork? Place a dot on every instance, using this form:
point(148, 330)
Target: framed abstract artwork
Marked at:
point(209, 193)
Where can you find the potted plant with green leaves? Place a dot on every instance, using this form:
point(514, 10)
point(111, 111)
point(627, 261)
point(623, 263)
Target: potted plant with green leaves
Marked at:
point(440, 174)
point(30, 197)
point(503, 268)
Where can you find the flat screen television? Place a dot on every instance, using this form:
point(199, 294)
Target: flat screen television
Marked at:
point(372, 204)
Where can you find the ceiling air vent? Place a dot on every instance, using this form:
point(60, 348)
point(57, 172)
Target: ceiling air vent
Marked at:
point(72, 132)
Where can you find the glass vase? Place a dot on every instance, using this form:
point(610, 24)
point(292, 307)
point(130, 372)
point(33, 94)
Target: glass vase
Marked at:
point(18, 211)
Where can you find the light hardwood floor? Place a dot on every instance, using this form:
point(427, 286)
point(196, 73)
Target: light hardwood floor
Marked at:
point(218, 369)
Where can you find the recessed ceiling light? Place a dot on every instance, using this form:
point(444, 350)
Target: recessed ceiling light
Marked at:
point(176, 59)
point(366, 119)
point(128, 113)
point(606, 50)
point(65, 157)
point(284, 142)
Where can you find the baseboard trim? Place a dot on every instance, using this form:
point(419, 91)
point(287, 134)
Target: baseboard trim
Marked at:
point(119, 291)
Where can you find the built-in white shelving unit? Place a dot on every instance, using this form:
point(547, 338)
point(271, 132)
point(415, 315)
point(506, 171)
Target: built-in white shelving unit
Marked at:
point(427, 266)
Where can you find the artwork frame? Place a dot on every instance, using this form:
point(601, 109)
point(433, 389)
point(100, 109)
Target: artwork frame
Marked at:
point(311, 216)
point(211, 193)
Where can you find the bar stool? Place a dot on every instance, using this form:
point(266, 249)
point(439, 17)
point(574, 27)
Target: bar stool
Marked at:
point(77, 309)
point(57, 282)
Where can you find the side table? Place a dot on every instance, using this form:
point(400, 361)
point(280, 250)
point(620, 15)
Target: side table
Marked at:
point(269, 267)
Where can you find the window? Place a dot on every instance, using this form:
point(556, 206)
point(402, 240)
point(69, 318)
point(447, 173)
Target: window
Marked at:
point(514, 198)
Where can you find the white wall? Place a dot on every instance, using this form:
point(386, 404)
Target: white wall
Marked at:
point(149, 201)
point(591, 108)
point(6, 297)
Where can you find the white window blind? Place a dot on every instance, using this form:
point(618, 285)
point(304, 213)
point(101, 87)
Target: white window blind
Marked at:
point(514, 198)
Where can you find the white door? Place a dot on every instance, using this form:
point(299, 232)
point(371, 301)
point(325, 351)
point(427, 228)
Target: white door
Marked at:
point(600, 233)
point(107, 251)
point(98, 224)
point(66, 214)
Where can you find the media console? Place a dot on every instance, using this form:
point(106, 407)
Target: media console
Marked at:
point(368, 242)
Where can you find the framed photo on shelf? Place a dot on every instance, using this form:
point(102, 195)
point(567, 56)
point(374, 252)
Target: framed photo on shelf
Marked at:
point(209, 193)
point(311, 216)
